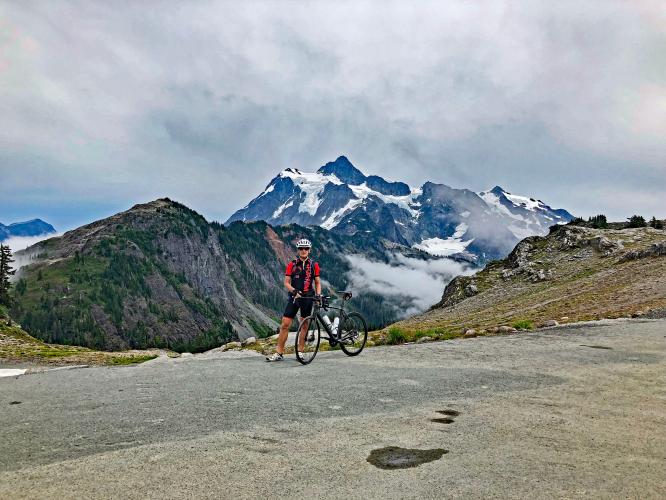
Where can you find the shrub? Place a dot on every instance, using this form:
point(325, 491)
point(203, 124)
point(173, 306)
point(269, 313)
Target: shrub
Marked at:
point(599, 221)
point(396, 335)
point(656, 223)
point(523, 324)
point(636, 221)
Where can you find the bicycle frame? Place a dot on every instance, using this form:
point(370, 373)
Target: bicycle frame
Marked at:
point(317, 316)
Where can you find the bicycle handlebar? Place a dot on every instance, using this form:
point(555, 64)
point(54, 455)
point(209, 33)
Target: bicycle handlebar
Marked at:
point(313, 297)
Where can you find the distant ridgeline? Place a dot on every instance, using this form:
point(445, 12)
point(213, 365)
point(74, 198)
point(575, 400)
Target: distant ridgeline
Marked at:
point(160, 275)
point(35, 227)
point(435, 218)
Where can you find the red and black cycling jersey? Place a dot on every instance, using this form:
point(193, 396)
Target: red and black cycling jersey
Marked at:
point(302, 274)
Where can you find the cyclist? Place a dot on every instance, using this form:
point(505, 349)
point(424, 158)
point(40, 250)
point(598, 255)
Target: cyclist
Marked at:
point(301, 281)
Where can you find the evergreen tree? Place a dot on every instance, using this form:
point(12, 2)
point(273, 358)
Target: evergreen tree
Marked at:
point(656, 223)
point(637, 221)
point(599, 222)
point(5, 272)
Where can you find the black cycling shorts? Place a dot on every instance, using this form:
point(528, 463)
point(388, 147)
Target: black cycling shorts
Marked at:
point(304, 304)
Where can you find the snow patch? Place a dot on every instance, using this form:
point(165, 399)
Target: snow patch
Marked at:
point(524, 201)
point(406, 202)
point(337, 215)
point(312, 184)
point(281, 208)
point(494, 203)
point(461, 229)
point(442, 247)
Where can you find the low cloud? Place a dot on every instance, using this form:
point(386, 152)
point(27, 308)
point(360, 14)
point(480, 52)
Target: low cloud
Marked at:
point(18, 243)
point(412, 285)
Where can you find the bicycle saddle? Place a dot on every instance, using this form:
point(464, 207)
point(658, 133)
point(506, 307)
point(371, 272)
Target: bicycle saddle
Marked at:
point(346, 294)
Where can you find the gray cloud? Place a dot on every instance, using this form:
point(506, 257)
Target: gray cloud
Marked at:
point(112, 104)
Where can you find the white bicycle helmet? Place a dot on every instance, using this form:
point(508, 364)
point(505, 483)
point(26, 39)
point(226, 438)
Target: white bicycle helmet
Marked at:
point(304, 243)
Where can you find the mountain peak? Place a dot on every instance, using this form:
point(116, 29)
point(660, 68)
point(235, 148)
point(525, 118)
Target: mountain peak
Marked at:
point(343, 169)
point(33, 227)
point(497, 190)
point(158, 203)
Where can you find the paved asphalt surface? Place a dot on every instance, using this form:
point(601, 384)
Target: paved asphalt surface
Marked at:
point(564, 412)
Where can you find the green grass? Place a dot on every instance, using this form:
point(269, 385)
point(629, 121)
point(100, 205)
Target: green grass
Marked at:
point(523, 324)
point(130, 360)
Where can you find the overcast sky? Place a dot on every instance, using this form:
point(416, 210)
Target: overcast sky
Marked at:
point(108, 104)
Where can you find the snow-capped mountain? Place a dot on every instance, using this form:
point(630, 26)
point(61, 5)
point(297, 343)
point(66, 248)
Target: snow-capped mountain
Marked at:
point(436, 218)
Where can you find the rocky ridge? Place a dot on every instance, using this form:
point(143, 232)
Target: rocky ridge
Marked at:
point(573, 274)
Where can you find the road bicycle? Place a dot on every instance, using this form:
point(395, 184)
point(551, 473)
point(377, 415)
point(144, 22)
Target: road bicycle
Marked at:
point(351, 332)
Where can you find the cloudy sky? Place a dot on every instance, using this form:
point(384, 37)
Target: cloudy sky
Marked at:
point(107, 104)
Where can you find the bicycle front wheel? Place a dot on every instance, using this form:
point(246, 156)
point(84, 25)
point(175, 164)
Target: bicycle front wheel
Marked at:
point(308, 337)
point(353, 334)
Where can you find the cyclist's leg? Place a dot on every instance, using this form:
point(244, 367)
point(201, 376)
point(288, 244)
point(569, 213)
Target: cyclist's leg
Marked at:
point(302, 334)
point(284, 333)
point(288, 316)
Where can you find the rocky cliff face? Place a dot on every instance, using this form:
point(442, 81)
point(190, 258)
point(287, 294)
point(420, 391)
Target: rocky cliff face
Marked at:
point(154, 275)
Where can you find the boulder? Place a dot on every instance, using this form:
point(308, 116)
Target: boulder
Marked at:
point(655, 250)
point(637, 314)
point(564, 319)
point(470, 333)
point(249, 341)
point(424, 339)
point(507, 273)
point(506, 329)
point(232, 345)
point(493, 329)
point(605, 245)
point(550, 322)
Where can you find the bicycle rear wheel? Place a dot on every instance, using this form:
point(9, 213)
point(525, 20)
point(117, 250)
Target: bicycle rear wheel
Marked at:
point(353, 334)
point(307, 341)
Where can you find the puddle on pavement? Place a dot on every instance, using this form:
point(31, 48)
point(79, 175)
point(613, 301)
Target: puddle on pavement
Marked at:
point(394, 457)
point(450, 413)
point(443, 420)
point(596, 346)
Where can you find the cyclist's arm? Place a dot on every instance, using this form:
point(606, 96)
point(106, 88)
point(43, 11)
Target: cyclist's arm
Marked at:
point(317, 285)
point(287, 284)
